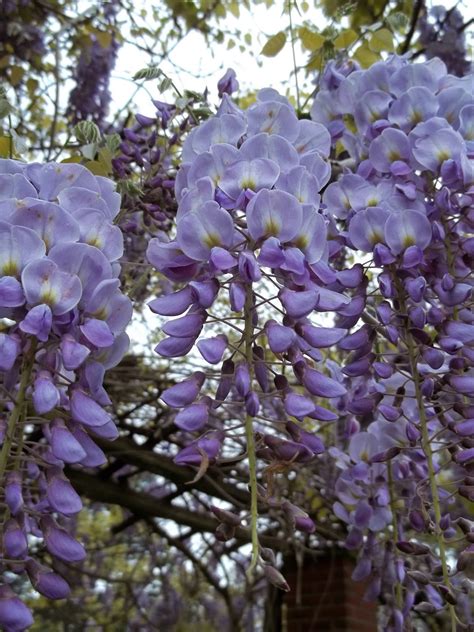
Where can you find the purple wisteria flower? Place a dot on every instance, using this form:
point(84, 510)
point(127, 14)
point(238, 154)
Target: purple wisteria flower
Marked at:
point(66, 325)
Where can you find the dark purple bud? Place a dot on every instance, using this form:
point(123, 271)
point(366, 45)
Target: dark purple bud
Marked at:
point(72, 352)
point(184, 393)
point(298, 405)
point(226, 516)
point(97, 332)
point(86, 410)
point(359, 367)
point(47, 583)
point(447, 594)
point(450, 345)
point(94, 455)
point(354, 539)
point(355, 340)
point(237, 296)
point(212, 349)
point(417, 520)
point(321, 385)
point(465, 428)
point(433, 357)
point(10, 347)
point(322, 414)
point(242, 379)
point(419, 577)
point(462, 384)
point(412, 432)
point(15, 544)
point(424, 607)
point(224, 532)
point(321, 337)
point(362, 570)
point(205, 291)
point(64, 445)
point(14, 615)
point(38, 322)
point(383, 370)
point(249, 270)
point(362, 514)
point(427, 387)
point(193, 417)
point(280, 338)
point(226, 381)
point(13, 492)
point(61, 495)
point(275, 577)
point(298, 304)
point(174, 347)
point(389, 412)
point(173, 304)
point(59, 543)
point(188, 326)
point(288, 450)
point(310, 440)
point(45, 394)
point(412, 257)
point(413, 548)
point(386, 455)
point(222, 259)
point(252, 403)
point(463, 457)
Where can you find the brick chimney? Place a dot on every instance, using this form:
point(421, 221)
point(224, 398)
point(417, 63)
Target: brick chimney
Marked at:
point(324, 598)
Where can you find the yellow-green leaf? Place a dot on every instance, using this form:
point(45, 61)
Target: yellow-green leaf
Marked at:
point(310, 39)
point(72, 159)
point(345, 38)
point(234, 9)
point(5, 146)
point(97, 168)
point(16, 75)
point(104, 38)
point(365, 56)
point(381, 40)
point(274, 45)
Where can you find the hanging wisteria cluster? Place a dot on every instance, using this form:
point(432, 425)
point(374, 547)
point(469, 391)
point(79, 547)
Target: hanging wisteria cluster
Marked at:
point(62, 322)
point(379, 270)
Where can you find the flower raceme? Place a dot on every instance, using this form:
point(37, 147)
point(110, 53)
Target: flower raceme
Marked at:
point(253, 233)
point(63, 321)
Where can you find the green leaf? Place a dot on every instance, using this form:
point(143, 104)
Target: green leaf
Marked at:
point(5, 144)
point(345, 38)
point(165, 84)
point(5, 108)
point(234, 9)
point(274, 45)
point(16, 75)
point(381, 40)
point(112, 142)
point(97, 168)
point(365, 56)
point(310, 39)
point(104, 38)
point(87, 132)
point(152, 72)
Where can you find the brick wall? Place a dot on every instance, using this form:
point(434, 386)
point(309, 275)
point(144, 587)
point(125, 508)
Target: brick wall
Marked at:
point(324, 598)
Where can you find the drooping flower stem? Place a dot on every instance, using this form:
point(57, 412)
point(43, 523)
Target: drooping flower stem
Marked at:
point(249, 435)
point(426, 447)
point(19, 408)
point(398, 586)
